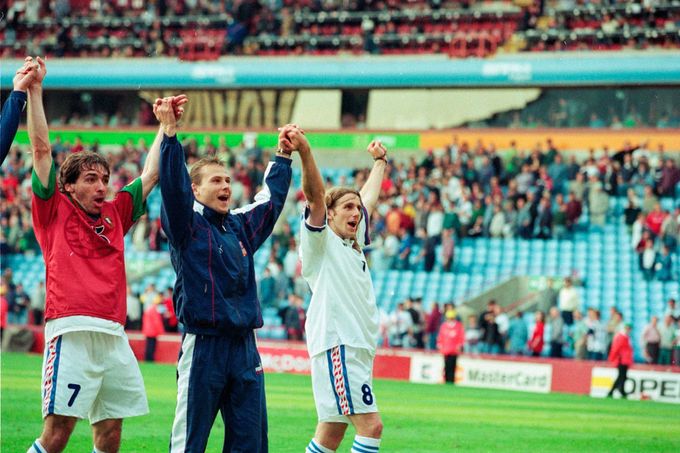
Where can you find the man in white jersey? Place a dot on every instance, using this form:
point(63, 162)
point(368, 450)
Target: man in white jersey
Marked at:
point(342, 320)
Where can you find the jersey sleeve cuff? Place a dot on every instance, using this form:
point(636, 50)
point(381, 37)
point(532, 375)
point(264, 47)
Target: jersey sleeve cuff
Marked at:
point(40, 191)
point(283, 160)
point(135, 189)
point(21, 95)
point(313, 228)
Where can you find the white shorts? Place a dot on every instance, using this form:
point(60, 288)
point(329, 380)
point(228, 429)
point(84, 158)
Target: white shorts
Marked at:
point(342, 381)
point(93, 375)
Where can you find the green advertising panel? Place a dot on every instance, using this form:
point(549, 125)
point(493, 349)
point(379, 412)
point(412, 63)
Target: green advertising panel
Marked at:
point(319, 140)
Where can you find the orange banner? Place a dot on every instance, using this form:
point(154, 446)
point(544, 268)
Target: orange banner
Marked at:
point(564, 139)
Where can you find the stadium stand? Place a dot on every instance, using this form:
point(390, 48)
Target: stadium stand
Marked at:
point(457, 29)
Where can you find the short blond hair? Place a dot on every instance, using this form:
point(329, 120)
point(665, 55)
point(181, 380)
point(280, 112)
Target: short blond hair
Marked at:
point(195, 172)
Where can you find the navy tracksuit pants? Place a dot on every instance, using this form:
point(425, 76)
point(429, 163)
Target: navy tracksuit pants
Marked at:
point(220, 373)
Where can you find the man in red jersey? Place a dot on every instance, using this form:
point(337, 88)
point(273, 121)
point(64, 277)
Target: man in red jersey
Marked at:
point(89, 369)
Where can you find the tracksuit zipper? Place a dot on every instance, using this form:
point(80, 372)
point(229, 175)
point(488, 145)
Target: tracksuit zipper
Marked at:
point(239, 282)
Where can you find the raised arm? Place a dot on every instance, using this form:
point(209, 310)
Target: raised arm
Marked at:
point(37, 126)
point(312, 182)
point(14, 105)
point(176, 193)
point(260, 216)
point(371, 189)
point(150, 173)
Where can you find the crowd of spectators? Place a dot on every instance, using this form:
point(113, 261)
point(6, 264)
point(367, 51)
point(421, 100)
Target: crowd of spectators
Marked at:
point(595, 109)
point(556, 330)
point(426, 206)
point(134, 28)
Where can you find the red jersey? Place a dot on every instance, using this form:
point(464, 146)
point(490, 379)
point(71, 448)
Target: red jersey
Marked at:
point(84, 257)
point(4, 309)
point(621, 352)
point(536, 342)
point(451, 338)
point(152, 322)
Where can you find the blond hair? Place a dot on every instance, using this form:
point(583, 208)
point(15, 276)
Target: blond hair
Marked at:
point(195, 173)
point(336, 193)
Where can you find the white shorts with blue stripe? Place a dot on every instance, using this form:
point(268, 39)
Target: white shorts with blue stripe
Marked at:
point(92, 375)
point(342, 381)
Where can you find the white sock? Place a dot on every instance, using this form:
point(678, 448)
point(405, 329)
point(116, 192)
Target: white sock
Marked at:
point(315, 447)
point(37, 447)
point(96, 450)
point(365, 445)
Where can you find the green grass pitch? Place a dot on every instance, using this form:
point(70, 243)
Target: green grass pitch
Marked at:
point(417, 418)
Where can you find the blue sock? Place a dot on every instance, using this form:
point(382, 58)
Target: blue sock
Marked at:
point(37, 447)
point(365, 445)
point(315, 447)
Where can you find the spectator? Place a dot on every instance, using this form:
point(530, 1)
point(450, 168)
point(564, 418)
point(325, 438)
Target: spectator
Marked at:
point(518, 334)
point(655, 219)
point(267, 289)
point(400, 323)
point(134, 311)
point(432, 322)
point(38, 303)
point(18, 313)
point(649, 201)
point(676, 344)
point(670, 230)
point(450, 341)
point(415, 309)
point(621, 356)
point(670, 177)
point(152, 328)
point(4, 309)
point(536, 341)
point(490, 335)
point(170, 323)
point(596, 343)
point(568, 301)
point(578, 336)
point(548, 297)
point(632, 212)
point(598, 204)
point(651, 341)
point(447, 250)
point(649, 261)
point(666, 336)
point(672, 309)
point(503, 322)
point(573, 211)
point(544, 219)
point(150, 296)
point(556, 333)
point(614, 325)
point(295, 318)
point(663, 266)
point(473, 336)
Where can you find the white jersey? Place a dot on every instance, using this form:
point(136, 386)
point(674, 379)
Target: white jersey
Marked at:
point(343, 309)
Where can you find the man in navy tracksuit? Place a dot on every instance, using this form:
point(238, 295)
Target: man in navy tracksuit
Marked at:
point(212, 249)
